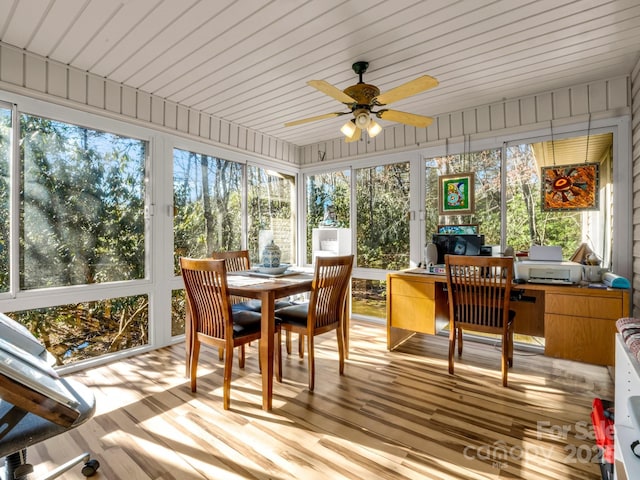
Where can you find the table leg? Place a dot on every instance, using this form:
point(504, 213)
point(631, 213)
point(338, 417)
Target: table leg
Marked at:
point(266, 348)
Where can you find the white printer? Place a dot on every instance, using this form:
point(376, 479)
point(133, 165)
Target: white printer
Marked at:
point(545, 265)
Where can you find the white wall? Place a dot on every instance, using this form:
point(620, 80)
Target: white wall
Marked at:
point(28, 74)
point(635, 151)
point(604, 99)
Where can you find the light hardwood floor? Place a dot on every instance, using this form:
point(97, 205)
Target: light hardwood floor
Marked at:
point(393, 415)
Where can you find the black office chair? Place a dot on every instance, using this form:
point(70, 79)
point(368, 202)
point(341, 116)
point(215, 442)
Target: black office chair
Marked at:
point(27, 415)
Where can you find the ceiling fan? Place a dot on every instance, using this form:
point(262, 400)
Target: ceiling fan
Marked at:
point(362, 98)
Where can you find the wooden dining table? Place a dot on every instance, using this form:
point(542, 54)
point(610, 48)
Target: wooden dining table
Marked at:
point(267, 290)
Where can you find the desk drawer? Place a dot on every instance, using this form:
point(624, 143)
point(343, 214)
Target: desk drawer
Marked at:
point(412, 288)
point(590, 306)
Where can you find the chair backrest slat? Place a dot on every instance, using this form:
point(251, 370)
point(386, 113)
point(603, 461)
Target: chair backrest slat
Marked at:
point(205, 282)
point(235, 261)
point(329, 291)
point(479, 290)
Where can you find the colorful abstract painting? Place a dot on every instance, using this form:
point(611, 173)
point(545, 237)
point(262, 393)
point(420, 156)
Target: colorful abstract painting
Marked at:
point(570, 187)
point(455, 195)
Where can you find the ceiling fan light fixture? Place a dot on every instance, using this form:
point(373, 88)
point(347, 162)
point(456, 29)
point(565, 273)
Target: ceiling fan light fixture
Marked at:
point(349, 128)
point(374, 128)
point(362, 120)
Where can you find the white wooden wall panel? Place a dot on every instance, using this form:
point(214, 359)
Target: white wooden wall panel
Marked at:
point(598, 97)
point(528, 111)
point(20, 70)
point(113, 97)
point(95, 91)
point(170, 115)
point(469, 124)
point(57, 80)
point(215, 130)
point(77, 86)
point(580, 100)
point(607, 97)
point(143, 110)
point(635, 153)
point(224, 132)
point(233, 135)
point(561, 104)
point(457, 128)
point(157, 110)
point(618, 93)
point(35, 74)
point(497, 116)
point(182, 118)
point(11, 66)
point(251, 141)
point(512, 113)
point(129, 102)
point(544, 107)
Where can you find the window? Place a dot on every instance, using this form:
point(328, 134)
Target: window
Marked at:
point(76, 332)
point(82, 211)
point(271, 213)
point(485, 166)
point(382, 196)
point(207, 196)
point(528, 224)
point(6, 141)
point(328, 200)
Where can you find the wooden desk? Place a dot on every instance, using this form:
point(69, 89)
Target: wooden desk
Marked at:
point(267, 291)
point(578, 323)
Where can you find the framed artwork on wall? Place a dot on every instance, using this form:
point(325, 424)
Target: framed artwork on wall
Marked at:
point(570, 187)
point(455, 194)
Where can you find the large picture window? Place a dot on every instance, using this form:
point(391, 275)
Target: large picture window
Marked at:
point(82, 212)
point(207, 196)
point(527, 221)
point(6, 141)
point(328, 203)
point(271, 213)
point(484, 166)
point(383, 226)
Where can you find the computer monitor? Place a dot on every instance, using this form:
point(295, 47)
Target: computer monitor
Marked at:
point(457, 245)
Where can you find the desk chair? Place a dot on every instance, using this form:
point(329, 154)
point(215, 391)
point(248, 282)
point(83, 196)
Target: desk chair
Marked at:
point(479, 290)
point(324, 312)
point(23, 429)
point(211, 319)
point(28, 415)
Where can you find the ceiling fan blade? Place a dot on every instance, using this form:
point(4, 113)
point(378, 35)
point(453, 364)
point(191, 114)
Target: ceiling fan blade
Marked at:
point(355, 137)
point(406, 118)
point(328, 89)
point(405, 90)
point(313, 119)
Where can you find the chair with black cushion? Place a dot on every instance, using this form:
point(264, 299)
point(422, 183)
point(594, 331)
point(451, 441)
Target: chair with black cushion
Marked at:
point(324, 312)
point(210, 319)
point(479, 290)
point(238, 261)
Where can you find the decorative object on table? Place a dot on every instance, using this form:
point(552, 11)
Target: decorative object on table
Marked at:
point(271, 255)
point(280, 269)
point(570, 187)
point(455, 194)
point(470, 229)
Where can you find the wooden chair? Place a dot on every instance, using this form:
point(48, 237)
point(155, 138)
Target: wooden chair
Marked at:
point(237, 261)
point(211, 320)
point(324, 312)
point(479, 289)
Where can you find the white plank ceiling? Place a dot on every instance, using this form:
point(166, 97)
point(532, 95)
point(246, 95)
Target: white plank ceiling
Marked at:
point(247, 61)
